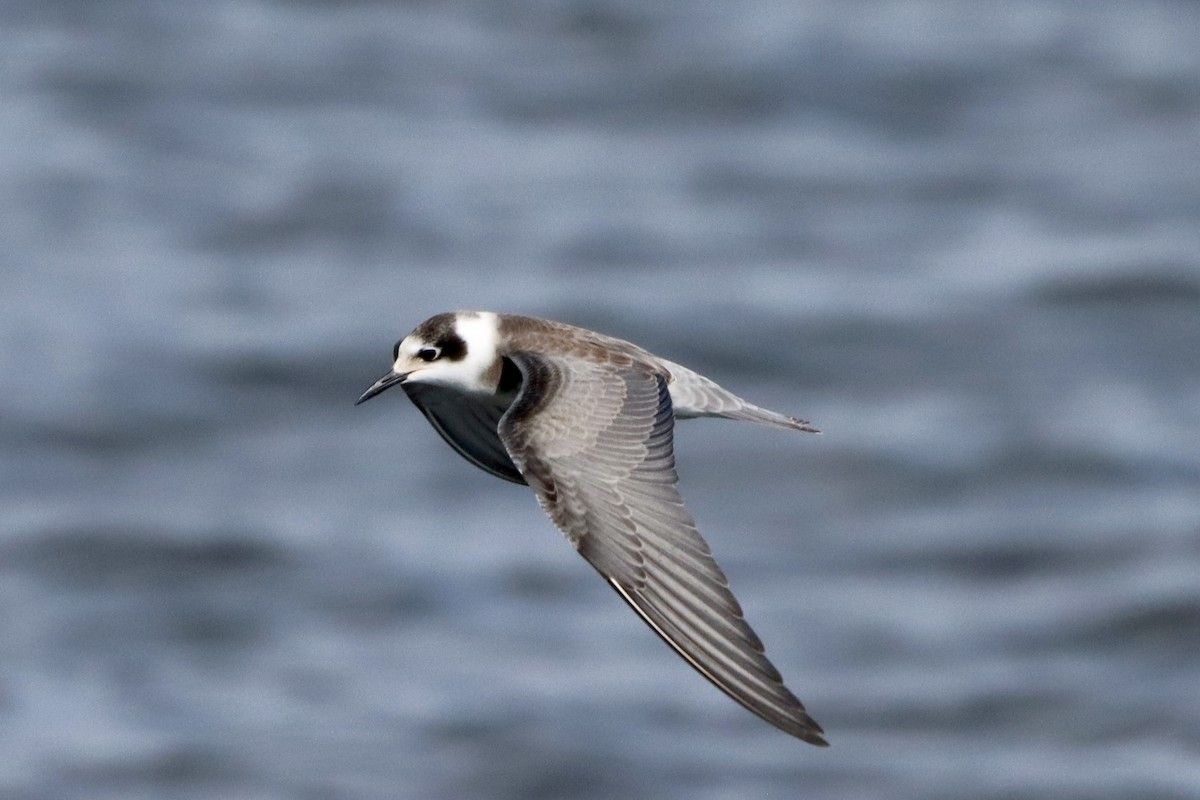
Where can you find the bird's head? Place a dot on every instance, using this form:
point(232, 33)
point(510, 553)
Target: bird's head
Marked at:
point(455, 350)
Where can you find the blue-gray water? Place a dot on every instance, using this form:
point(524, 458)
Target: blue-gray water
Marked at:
point(962, 238)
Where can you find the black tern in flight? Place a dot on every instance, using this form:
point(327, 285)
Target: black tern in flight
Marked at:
point(587, 421)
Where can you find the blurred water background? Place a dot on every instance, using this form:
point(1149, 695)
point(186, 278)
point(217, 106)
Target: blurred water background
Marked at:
point(963, 238)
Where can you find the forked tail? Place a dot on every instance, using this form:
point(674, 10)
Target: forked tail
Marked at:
point(694, 395)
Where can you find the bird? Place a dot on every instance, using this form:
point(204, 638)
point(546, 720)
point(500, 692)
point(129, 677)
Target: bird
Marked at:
point(587, 421)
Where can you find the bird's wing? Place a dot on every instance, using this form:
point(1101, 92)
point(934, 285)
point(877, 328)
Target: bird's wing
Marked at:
point(468, 423)
point(594, 440)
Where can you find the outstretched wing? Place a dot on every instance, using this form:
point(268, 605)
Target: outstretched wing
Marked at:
point(594, 440)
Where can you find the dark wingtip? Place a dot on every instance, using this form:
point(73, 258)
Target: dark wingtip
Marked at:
point(814, 736)
point(807, 730)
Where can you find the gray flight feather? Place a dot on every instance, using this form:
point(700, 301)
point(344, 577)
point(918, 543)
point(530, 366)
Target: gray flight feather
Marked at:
point(594, 439)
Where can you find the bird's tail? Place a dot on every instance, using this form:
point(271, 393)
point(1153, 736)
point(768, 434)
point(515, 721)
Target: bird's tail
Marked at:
point(694, 395)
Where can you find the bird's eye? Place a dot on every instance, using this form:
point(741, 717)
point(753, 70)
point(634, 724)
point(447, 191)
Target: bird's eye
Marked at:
point(428, 353)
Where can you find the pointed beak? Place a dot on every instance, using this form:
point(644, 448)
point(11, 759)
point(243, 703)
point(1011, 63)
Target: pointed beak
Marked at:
point(386, 382)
